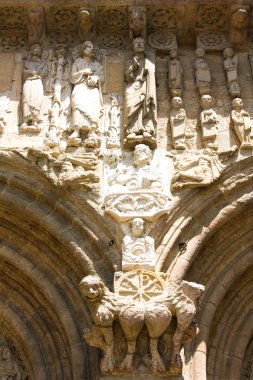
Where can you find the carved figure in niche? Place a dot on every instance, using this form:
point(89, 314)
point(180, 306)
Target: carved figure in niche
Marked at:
point(179, 299)
point(9, 369)
point(202, 72)
point(35, 71)
point(238, 32)
point(86, 99)
point(138, 251)
point(86, 23)
point(175, 74)
point(230, 66)
point(35, 25)
point(137, 22)
point(5, 103)
point(196, 169)
point(113, 135)
point(140, 177)
point(209, 123)
point(178, 123)
point(140, 97)
point(242, 124)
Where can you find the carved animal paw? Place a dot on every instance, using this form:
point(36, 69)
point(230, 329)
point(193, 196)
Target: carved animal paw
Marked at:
point(176, 365)
point(127, 364)
point(157, 365)
point(106, 365)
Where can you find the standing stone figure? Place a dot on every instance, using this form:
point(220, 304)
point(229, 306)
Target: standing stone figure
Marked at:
point(202, 72)
point(113, 134)
point(177, 123)
point(242, 124)
point(140, 97)
point(138, 250)
point(86, 100)
point(230, 66)
point(34, 71)
point(208, 119)
point(238, 28)
point(175, 74)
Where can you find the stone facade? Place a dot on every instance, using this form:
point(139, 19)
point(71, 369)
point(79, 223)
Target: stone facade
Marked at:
point(126, 156)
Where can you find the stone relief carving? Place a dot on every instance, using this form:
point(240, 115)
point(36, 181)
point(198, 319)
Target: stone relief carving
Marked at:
point(12, 18)
point(65, 19)
point(113, 133)
point(86, 23)
point(238, 28)
point(113, 19)
point(138, 251)
point(5, 103)
point(140, 98)
point(242, 124)
point(105, 307)
point(162, 41)
point(196, 169)
point(35, 23)
point(211, 16)
point(175, 74)
point(13, 42)
point(160, 18)
point(34, 72)
point(137, 22)
point(209, 123)
point(86, 99)
point(230, 66)
point(9, 368)
point(178, 123)
point(202, 72)
point(211, 41)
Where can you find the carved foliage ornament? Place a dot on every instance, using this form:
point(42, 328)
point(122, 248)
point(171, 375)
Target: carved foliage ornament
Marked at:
point(211, 17)
point(211, 41)
point(12, 18)
point(160, 18)
point(162, 41)
point(112, 19)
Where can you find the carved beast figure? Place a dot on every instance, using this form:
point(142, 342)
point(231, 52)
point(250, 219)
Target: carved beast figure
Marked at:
point(156, 314)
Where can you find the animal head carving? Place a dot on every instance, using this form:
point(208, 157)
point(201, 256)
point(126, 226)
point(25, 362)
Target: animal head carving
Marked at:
point(92, 288)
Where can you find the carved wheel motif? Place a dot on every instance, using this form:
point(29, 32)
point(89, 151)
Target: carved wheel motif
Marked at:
point(161, 40)
point(161, 18)
point(12, 18)
point(66, 19)
point(211, 41)
point(211, 17)
point(140, 285)
point(113, 19)
point(111, 41)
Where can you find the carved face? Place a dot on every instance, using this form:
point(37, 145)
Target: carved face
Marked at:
point(139, 45)
point(84, 17)
point(92, 288)
point(142, 154)
point(173, 53)
point(36, 50)
point(176, 102)
point(137, 226)
point(228, 52)
point(206, 101)
point(88, 49)
point(138, 19)
point(6, 354)
point(200, 53)
point(237, 103)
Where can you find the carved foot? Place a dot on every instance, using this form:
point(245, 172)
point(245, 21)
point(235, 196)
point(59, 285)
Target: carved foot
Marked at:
point(157, 365)
point(176, 364)
point(24, 128)
point(127, 364)
point(106, 365)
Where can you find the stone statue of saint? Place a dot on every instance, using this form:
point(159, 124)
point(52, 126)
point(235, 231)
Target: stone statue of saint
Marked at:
point(242, 124)
point(209, 123)
point(202, 72)
point(137, 250)
point(177, 123)
point(34, 71)
point(86, 100)
point(175, 74)
point(230, 66)
point(140, 97)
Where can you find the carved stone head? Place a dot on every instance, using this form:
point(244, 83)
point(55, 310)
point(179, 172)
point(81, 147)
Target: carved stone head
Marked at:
point(206, 101)
point(237, 103)
point(87, 49)
point(240, 18)
point(200, 53)
point(176, 102)
point(228, 52)
point(92, 288)
point(137, 227)
point(36, 50)
point(142, 155)
point(137, 18)
point(173, 53)
point(138, 45)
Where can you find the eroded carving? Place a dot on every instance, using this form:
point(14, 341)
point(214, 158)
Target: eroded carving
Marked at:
point(162, 41)
point(137, 22)
point(86, 23)
point(138, 251)
point(9, 369)
point(211, 16)
point(242, 123)
point(175, 74)
point(178, 123)
point(230, 66)
point(140, 98)
point(211, 41)
point(5, 103)
point(209, 123)
point(35, 71)
point(86, 101)
point(35, 24)
point(238, 28)
point(105, 307)
point(202, 72)
point(113, 134)
point(13, 42)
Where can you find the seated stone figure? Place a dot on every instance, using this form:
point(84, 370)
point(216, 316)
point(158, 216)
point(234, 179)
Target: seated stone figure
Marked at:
point(137, 249)
point(242, 124)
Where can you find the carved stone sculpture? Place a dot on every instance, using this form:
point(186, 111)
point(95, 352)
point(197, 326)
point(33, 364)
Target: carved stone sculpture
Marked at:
point(86, 23)
point(202, 72)
point(238, 28)
point(137, 22)
point(35, 25)
point(113, 134)
point(138, 250)
point(5, 103)
point(179, 299)
point(209, 123)
point(242, 124)
point(140, 98)
point(178, 123)
point(34, 71)
point(230, 66)
point(196, 169)
point(175, 74)
point(9, 369)
point(86, 101)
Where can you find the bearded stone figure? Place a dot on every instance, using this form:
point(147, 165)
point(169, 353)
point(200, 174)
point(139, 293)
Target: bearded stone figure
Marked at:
point(86, 100)
point(34, 72)
point(140, 98)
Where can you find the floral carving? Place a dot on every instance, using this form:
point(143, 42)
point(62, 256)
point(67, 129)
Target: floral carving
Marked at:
point(211, 41)
point(211, 17)
point(66, 19)
point(113, 19)
point(163, 41)
point(12, 18)
point(161, 18)
point(63, 39)
point(111, 41)
point(13, 42)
